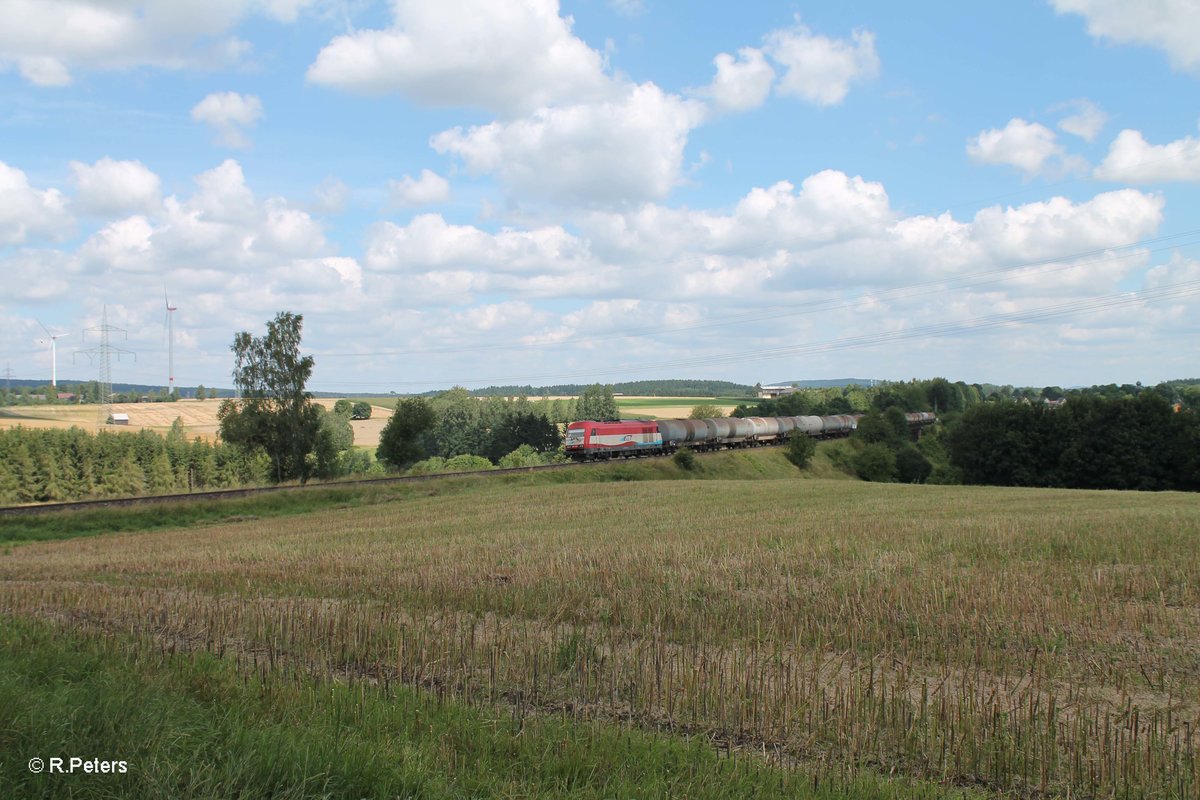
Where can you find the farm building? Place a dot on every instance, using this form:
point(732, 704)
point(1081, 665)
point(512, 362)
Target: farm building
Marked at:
point(771, 392)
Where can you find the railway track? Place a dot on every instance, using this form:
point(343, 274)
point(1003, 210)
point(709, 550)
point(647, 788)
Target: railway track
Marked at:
point(227, 494)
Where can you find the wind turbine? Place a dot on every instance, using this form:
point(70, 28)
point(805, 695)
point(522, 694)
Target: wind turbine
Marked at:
point(53, 339)
point(170, 344)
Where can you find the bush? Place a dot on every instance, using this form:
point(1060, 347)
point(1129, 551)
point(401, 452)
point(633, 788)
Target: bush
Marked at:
point(800, 450)
point(912, 466)
point(467, 463)
point(875, 462)
point(685, 459)
point(523, 456)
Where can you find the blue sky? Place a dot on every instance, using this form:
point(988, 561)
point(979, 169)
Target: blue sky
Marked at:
point(477, 192)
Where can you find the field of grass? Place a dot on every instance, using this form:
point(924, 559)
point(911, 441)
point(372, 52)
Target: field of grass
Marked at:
point(886, 640)
point(672, 407)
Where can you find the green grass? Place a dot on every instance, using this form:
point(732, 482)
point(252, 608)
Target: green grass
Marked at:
point(195, 726)
point(52, 525)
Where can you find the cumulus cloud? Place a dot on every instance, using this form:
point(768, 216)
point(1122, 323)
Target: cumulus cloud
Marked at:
point(46, 39)
point(624, 150)
point(1131, 159)
point(1087, 120)
point(836, 230)
point(509, 58)
point(428, 188)
point(26, 212)
point(1056, 227)
point(123, 246)
point(1029, 146)
point(819, 69)
point(429, 242)
point(228, 113)
point(1172, 26)
point(829, 238)
point(219, 230)
point(742, 82)
point(114, 187)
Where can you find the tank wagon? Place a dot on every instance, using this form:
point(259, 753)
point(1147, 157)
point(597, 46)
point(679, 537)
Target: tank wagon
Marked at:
point(588, 440)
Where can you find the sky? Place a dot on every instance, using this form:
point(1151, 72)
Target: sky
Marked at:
point(493, 192)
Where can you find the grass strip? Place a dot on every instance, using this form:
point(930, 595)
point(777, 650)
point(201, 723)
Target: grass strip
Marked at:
point(759, 464)
point(190, 726)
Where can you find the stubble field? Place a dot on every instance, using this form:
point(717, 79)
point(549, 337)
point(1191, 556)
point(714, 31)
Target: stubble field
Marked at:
point(1036, 643)
point(199, 418)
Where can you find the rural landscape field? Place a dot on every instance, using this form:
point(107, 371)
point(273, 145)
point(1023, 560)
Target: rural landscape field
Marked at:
point(599, 399)
point(199, 417)
point(745, 631)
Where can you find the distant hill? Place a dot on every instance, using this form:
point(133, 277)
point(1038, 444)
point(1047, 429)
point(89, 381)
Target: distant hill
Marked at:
point(662, 388)
point(71, 385)
point(831, 383)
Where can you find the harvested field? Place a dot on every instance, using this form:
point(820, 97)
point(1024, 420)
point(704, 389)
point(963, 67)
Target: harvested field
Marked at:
point(667, 407)
point(1026, 642)
point(199, 418)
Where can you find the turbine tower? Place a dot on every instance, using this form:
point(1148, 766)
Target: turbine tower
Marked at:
point(53, 339)
point(170, 345)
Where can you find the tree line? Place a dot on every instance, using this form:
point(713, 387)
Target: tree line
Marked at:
point(1091, 441)
point(651, 388)
point(46, 465)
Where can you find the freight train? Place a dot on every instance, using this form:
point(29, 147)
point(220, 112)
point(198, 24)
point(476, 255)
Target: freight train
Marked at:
point(587, 440)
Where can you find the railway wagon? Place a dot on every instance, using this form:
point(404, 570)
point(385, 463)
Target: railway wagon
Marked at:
point(588, 440)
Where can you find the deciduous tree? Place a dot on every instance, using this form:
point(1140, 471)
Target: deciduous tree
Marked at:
point(275, 413)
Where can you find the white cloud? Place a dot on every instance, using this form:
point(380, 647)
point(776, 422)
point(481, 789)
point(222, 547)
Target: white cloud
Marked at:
point(123, 246)
point(820, 69)
point(288, 231)
point(1131, 159)
point(1025, 145)
point(1058, 226)
point(46, 39)
point(228, 113)
point(428, 188)
point(44, 71)
point(428, 242)
point(229, 255)
point(840, 231)
point(1170, 25)
point(113, 187)
point(224, 195)
point(741, 82)
point(1087, 120)
point(612, 152)
point(510, 58)
point(26, 212)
